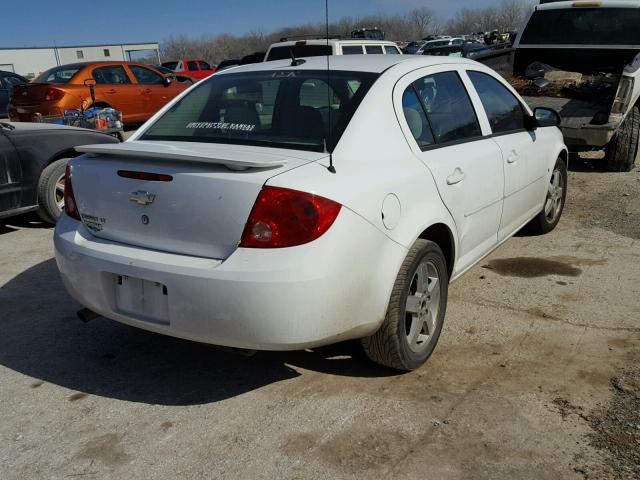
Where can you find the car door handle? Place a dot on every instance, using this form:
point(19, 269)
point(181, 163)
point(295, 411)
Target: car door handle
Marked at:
point(146, 90)
point(112, 91)
point(456, 177)
point(513, 157)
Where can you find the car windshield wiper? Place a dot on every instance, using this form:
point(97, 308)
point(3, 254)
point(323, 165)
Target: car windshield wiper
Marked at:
point(8, 126)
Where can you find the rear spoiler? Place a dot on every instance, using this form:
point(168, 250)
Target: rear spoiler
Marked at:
point(189, 152)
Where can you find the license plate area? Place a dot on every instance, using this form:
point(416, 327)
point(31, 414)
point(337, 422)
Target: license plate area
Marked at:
point(143, 299)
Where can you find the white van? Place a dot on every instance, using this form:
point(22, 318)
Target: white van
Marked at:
point(321, 46)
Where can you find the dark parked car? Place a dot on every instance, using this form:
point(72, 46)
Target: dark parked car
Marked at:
point(231, 62)
point(173, 75)
point(256, 57)
point(467, 50)
point(7, 81)
point(33, 158)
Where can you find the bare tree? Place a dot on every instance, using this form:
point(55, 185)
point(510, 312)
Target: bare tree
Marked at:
point(415, 25)
point(422, 20)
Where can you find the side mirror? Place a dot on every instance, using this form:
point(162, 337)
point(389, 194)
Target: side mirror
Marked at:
point(166, 81)
point(546, 117)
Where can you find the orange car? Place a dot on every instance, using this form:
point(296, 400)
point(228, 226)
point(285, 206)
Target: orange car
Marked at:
point(135, 89)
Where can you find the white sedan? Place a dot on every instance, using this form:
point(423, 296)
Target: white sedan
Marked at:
point(282, 205)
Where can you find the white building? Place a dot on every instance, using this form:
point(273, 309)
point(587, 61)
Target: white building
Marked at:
point(30, 62)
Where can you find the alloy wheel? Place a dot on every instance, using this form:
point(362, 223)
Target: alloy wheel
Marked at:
point(422, 306)
point(555, 194)
point(59, 193)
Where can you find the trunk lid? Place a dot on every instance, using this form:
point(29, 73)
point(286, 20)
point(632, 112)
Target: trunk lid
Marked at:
point(30, 94)
point(200, 212)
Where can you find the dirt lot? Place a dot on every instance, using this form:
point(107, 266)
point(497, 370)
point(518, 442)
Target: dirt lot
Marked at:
point(535, 377)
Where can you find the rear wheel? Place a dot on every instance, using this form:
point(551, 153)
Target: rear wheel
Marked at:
point(623, 148)
point(550, 215)
point(51, 191)
point(415, 315)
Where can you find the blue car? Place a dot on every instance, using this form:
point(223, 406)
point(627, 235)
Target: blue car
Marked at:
point(7, 81)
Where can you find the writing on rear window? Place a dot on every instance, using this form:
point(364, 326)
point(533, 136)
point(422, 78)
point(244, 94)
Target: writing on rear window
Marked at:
point(243, 127)
point(303, 110)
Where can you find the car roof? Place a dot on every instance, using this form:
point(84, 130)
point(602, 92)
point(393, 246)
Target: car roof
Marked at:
point(352, 63)
point(600, 4)
point(333, 41)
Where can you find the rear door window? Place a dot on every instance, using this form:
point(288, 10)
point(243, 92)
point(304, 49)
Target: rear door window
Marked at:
point(504, 111)
point(113, 74)
point(416, 118)
point(205, 66)
point(389, 50)
point(192, 66)
point(448, 107)
point(374, 49)
point(583, 26)
point(352, 50)
point(12, 80)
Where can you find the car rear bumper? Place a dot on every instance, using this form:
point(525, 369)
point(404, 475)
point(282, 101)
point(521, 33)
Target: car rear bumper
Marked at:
point(588, 135)
point(32, 113)
point(333, 289)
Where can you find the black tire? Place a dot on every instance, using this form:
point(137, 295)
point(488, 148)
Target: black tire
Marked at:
point(622, 150)
point(49, 193)
point(390, 345)
point(544, 222)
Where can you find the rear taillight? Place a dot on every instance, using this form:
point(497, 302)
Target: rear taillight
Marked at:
point(70, 206)
point(623, 95)
point(53, 94)
point(286, 218)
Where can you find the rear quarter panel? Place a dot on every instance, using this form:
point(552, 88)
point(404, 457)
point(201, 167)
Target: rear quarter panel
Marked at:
point(372, 160)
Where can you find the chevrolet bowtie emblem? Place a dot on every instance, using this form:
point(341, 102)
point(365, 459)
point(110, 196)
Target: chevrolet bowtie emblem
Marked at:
point(142, 198)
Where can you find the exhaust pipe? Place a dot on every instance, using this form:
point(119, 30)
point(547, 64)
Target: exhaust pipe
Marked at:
point(85, 315)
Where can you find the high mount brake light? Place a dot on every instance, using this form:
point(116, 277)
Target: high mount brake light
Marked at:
point(285, 218)
point(70, 206)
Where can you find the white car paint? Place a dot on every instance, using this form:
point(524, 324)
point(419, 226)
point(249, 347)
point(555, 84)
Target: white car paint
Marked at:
point(336, 287)
point(440, 42)
point(337, 45)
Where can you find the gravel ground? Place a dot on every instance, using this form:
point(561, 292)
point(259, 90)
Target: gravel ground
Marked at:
point(617, 426)
point(535, 376)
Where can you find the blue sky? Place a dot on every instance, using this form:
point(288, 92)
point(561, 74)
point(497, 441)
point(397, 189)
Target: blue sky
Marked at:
point(45, 22)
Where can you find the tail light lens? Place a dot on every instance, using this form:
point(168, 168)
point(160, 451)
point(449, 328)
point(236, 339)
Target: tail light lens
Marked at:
point(623, 95)
point(53, 94)
point(286, 218)
point(70, 207)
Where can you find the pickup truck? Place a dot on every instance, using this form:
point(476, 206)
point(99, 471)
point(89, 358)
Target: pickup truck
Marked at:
point(196, 69)
point(582, 58)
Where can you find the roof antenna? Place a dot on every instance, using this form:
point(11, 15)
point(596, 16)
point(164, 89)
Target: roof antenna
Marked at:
point(295, 62)
point(331, 168)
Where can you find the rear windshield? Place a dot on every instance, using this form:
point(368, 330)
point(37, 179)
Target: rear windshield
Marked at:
point(299, 51)
point(301, 110)
point(583, 26)
point(58, 74)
